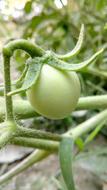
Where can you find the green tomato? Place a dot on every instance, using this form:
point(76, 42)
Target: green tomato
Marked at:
point(55, 94)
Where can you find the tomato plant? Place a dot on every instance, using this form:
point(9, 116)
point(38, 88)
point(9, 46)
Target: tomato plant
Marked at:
point(53, 89)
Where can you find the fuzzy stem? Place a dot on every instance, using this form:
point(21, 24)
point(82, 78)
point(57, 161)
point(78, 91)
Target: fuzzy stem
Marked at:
point(5, 138)
point(32, 133)
point(7, 84)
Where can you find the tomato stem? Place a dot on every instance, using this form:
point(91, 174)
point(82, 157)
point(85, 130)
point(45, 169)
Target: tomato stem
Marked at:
point(35, 157)
point(8, 51)
point(39, 155)
point(32, 133)
point(23, 110)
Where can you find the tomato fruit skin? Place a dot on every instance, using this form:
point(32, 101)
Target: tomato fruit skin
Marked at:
point(55, 94)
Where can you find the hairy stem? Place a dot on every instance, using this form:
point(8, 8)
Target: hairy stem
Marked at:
point(32, 133)
point(7, 85)
point(5, 138)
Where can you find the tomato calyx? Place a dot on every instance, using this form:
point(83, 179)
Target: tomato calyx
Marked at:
point(35, 65)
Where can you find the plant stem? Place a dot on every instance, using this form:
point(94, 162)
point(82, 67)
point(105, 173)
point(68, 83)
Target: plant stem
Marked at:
point(7, 84)
point(76, 132)
point(92, 102)
point(32, 133)
point(35, 157)
point(88, 125)
point(23, 109)
point(5, 138)
point(32, 49)
point(40, 155)
point(8, 50)
point(96, 72)
point(36, 143)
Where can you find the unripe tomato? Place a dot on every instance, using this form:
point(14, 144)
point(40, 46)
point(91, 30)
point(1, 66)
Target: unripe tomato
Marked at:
point(55, 94)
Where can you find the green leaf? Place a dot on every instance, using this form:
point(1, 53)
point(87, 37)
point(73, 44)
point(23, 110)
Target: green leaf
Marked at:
point(28, 7)
point(55, 62)
point(66, 158)
point(32, 74)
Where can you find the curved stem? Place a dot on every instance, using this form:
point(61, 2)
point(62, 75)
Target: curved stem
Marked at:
point(8, 50)
point(32, 49)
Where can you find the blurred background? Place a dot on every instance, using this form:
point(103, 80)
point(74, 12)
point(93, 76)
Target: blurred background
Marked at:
point(55, 25)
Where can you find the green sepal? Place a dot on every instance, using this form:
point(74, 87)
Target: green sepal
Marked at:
point(19, 81)
point(66, 159)
point(76, 49)
point(59, 64)
point(32, 74)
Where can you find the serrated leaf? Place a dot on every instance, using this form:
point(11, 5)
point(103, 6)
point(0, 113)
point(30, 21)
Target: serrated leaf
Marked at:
point(34, 68)
point(73, 67)
point(66, 158)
